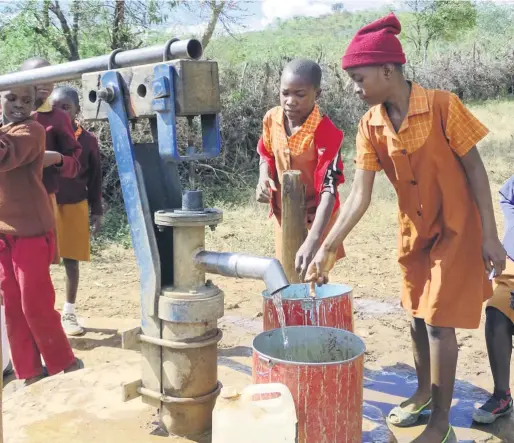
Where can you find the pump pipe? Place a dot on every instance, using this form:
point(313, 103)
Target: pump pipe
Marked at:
point(185, 49)
point(244, 266)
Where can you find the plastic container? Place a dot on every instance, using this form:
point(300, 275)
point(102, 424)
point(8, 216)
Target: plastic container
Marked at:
point(323, 368)
point(262, 413)
point(332, 307)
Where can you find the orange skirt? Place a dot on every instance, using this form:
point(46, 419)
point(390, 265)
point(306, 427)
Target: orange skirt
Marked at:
point(73, 231)
point(503, 285)
point(57, 257)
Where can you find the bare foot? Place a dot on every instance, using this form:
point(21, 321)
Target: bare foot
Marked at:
point(416, 402)
point(77, 365)
point(435, 433)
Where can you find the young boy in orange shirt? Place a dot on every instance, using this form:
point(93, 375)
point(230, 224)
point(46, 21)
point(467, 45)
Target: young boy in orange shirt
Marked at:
point(425, 141)
point(296, 136)
point(27, 244)
point(76, 197)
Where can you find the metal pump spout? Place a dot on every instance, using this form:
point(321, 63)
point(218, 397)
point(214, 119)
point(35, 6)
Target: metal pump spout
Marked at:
point(244, 266)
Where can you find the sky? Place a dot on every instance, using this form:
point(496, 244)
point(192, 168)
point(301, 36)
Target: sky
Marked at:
point(257, 14)
point(253, 15)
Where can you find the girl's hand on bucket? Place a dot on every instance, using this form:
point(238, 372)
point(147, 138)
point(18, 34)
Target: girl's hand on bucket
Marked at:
point(320, 266)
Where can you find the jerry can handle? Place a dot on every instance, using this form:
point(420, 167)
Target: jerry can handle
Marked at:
point(268, 388)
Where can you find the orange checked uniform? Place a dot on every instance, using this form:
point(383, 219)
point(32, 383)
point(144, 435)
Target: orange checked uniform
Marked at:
point(314, 150)
point(440, 235)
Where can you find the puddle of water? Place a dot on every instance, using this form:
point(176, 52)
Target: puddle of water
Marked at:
point(387, 388)
point(249, 325)
point(367, 306)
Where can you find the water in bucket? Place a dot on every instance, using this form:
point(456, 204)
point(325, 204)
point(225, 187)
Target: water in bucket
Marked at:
point(262, 413)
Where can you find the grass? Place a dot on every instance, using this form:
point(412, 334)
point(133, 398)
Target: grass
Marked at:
point(246, 227)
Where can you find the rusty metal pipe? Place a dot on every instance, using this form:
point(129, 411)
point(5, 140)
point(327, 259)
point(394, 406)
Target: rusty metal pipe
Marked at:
point(244, 266)
point(188, 49)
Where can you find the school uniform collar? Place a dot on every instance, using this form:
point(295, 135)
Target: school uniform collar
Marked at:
point(418, 104)
point(312, 120)
point(79, 130)
point(45, 108)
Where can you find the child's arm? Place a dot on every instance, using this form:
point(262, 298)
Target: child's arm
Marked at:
point(266, 185)
point(311, 244)
point(333, 178)
point(492, 250)
point(463, 131)
point(353, 209)
point(70, 148)
point(21, 146)
point(94, 186)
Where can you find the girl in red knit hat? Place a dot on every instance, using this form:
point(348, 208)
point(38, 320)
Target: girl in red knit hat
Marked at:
point(425, 141)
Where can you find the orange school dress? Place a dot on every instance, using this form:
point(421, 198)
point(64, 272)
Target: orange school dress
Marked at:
point(440, 234)
point(314, 150)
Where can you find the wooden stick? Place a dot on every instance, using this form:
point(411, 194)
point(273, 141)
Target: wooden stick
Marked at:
point(293, 221)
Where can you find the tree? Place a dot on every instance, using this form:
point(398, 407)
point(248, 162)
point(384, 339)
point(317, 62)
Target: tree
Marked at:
point(65, 27)
point(438, 19)
point(338, 7)
point(226, 12)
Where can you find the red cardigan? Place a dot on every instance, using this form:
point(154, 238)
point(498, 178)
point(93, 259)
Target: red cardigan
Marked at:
point(327, 139)
point(60, 137)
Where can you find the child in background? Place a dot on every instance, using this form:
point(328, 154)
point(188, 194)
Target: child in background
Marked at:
point(74, 199)
point(60, 137)
point(425, 141)
point(296, 136)
point(499, 326)
point(26, 244)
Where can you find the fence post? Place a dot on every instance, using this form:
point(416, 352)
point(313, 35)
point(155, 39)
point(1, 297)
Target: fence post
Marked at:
point(293, 221)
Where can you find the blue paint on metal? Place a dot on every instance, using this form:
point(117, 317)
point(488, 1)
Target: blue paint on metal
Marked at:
point(211, 135)
point(164, 106)
point(136, 205)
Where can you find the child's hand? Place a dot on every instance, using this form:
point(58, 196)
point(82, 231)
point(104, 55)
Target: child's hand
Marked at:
point(264, 188)
point(52, 158)
point(321, 264)
point(304, 256)
point(96, 223)
point(494, 255)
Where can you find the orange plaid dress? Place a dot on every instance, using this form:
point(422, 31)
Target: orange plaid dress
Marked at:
point(440, 233)
point(296, 152)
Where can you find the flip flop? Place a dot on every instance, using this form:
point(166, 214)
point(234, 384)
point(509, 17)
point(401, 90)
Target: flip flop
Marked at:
point(450, 436)
point(403, 419)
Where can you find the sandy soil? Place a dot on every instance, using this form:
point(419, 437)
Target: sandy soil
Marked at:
point(109, 298)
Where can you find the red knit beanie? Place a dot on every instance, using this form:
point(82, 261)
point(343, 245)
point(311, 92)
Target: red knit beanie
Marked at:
point(376, 44)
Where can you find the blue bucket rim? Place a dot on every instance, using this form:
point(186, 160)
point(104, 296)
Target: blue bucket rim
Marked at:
point(347, 292)
point(294, 363)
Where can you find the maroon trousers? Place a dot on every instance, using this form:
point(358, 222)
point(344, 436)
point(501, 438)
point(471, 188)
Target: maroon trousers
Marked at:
point(33, 325)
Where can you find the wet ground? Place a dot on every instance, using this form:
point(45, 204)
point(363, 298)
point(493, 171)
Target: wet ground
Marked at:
point(85, 407)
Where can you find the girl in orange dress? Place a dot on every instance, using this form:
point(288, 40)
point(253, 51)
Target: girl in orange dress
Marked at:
point(425, 141)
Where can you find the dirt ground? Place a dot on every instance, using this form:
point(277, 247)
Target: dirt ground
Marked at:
point(109, 291)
